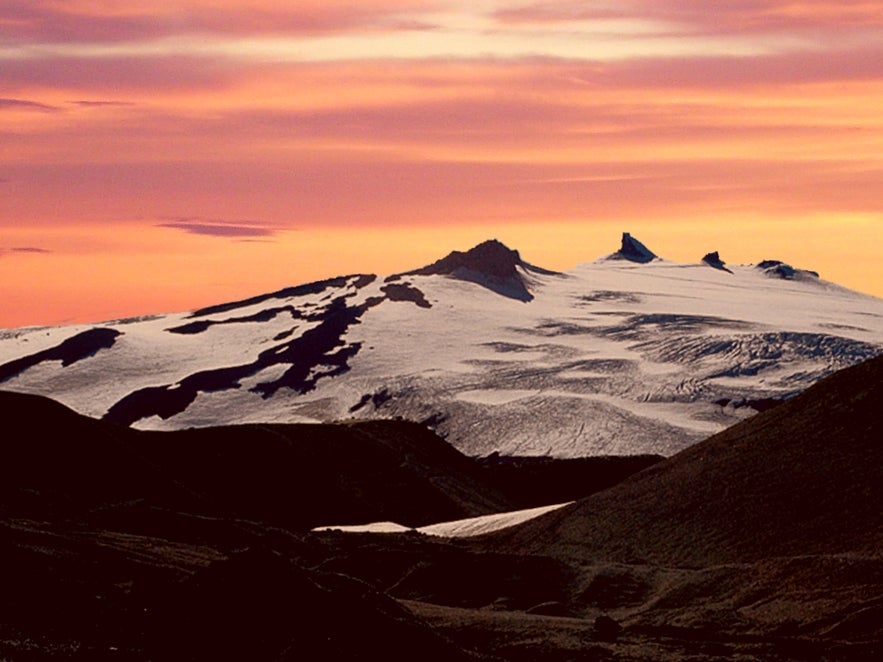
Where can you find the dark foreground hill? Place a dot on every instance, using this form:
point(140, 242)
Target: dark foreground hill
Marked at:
point(772, 528)
point(55, 463)
point(805, 478)
point(193, 545)
point(58, 463)
point(761, 544)
point(123, 545)
point(764, 542)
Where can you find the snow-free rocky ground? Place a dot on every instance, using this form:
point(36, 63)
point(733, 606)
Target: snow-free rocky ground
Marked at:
point(627, 354)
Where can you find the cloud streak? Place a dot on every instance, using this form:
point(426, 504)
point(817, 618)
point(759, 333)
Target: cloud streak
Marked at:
point(214, 228)
point(79, 21)
point(25, 104)
point(27, 250)
point(700, 16)
point(327, 116)
point(100, 103)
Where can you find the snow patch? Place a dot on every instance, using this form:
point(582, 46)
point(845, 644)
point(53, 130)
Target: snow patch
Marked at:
point(462, 528)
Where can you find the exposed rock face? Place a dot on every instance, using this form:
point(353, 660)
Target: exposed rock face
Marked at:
point(714, 260)
point(633, 250)
point(491, 264)
point(491, 258)
point(778, 269)
point(79, 347)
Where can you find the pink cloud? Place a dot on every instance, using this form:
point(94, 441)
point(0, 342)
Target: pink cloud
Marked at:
point(701, 16)
point(455, 140)
point(39, 21)
point(111, 76)
point(864, 63)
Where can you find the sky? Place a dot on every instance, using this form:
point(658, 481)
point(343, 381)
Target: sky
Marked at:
point(158, 157)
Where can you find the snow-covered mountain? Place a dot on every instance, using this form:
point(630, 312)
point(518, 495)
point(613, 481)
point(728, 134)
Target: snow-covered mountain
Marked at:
point(627, 354)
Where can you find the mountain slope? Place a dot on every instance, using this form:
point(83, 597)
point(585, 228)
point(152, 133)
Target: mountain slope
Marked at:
point(805, 478)
point(190, 545)
point(770, 528)
point(762, 543)
point(56, 462)
point(613, 357)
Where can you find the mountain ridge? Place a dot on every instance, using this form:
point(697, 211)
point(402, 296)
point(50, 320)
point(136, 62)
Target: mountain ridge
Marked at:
point(612, 357)
point(802, 479)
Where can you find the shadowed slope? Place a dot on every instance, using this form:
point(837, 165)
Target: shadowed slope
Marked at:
point(53, 460)
point(805, 478)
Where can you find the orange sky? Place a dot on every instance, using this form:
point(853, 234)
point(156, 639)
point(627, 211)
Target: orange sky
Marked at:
point(163, 158)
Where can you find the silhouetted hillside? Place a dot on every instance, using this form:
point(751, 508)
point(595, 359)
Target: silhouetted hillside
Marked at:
point(803, 478)
point(765, 542)
point(56, 462)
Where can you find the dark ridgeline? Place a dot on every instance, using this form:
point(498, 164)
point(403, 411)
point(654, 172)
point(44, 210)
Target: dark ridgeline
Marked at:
point(803, 478)
point(763, 542)
point(194, 545)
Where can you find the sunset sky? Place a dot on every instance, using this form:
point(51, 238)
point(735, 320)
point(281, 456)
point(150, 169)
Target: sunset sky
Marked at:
point(157, 157)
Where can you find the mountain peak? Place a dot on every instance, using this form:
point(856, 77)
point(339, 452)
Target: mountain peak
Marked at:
point(491, 264)
point(633, 250)
point(713, 259)
point(491, 258)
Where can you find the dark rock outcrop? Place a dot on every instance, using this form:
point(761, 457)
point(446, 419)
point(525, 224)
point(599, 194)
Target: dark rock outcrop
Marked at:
point(76, 348)
point(320, 352)
point(490, 258)
point(633, 251)
point(713, 260)
point(778, 269)
point(490, 264)
point(405, 292)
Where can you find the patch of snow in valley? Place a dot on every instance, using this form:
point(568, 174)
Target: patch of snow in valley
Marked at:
point(463, 528)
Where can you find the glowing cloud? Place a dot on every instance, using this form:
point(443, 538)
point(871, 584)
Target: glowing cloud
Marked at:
point(398, 118)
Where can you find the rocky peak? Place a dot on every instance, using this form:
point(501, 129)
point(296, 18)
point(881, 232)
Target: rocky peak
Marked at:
point(491, 258)
point(633, 250)
point(490, 264)
point(714, 260)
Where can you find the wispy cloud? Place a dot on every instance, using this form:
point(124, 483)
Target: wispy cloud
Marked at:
point(101, 103)
point(32, 250)
point(25, 104)
point(219, 228)
point(80, 21)
point(694, 16)
point(29, 249)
